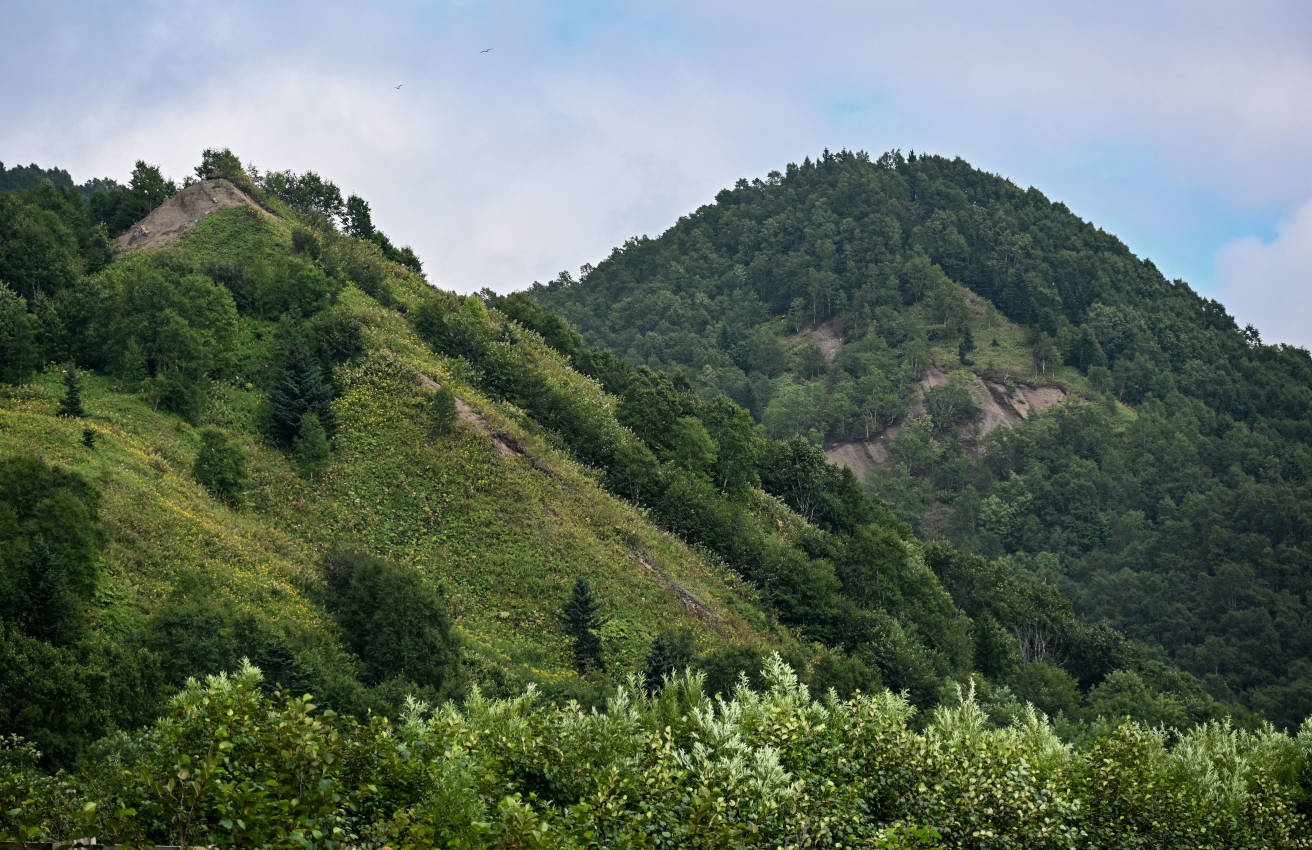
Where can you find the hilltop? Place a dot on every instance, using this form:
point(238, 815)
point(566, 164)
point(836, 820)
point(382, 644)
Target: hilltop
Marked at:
point(293, 447)
point(182, 212)
point(896, 310)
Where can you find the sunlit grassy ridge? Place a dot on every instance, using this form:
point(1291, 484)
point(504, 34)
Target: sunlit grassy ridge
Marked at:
point(505, 535)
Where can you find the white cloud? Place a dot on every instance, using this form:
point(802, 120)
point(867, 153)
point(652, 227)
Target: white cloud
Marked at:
point(488, 193)
point(1269, 284)
point(586, 126)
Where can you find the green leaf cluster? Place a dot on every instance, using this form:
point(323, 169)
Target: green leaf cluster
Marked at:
point(228, 764)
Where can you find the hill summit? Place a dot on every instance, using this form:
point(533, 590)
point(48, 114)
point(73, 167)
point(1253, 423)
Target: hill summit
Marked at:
point(167, 222)
point(884, 308)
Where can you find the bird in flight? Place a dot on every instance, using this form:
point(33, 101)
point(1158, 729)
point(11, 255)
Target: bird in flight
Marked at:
point(398, 85)
point(489, 50)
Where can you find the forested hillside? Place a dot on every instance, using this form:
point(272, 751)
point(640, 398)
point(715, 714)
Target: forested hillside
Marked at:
point(235, 446)
point(1172, 497)
point(266, 439)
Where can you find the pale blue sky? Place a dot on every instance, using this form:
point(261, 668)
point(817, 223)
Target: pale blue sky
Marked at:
point(1181, 129)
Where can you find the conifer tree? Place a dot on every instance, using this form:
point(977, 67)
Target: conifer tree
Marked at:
point(967, 345)
point(72, 402)
point(660, 665)
point(300, 390)
point(583, 621)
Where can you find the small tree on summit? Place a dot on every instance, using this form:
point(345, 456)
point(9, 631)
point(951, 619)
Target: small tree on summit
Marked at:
point(583, 621)
point(221, 163)
point(357, 220)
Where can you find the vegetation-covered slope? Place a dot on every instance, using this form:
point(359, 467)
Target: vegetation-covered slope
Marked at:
point(1182, 519)
point(175, 348)
point(271, 439)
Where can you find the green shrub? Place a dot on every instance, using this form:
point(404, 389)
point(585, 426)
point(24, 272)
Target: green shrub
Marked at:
point(220, 466)
point(304, 241)
point(394, 621)
point(310, 446)
point(441, 411)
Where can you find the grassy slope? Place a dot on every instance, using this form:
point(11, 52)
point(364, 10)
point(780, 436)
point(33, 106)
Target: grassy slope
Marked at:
point(505, 535)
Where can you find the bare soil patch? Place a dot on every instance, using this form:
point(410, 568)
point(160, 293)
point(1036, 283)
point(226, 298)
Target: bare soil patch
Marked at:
point(825, 338)
point(506, 445)
point(998, 408)
point(181, 212)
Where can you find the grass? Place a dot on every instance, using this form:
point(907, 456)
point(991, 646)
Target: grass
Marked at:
point(1012, 359)
point(506, 537)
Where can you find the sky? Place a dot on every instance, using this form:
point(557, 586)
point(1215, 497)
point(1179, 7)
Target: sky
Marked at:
point(528, 138)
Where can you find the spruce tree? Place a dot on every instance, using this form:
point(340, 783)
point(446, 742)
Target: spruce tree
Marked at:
point(72, 403)
point(583, 621)
point(670, 653)
point(660, 665)
point(300, 390)
point(967, 345)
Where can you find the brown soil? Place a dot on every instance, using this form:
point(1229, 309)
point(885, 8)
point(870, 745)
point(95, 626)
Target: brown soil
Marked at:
point(825, 337)
point(175, 216)
point(997, 409)
point(690, 603)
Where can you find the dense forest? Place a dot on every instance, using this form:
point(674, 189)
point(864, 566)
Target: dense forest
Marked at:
point(271, 442)
point(1170, 498)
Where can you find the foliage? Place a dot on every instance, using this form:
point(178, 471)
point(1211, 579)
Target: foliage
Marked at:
point(117, 208)
point(229, 764)
point(50, 543)
point(1172, 508)
point(306, 192)
point(20, 352)
point(71, 404)
point(158, 324)
point(670, 654)
point(220, 465)
point(298, 393)
point(949, 406)
point(357, 220)
point(442, 411)
point(310, 446)
point(582, 620)
point(223, 163)
point(396, 623)
point(499, 529)
point(304, 241)
point(38, 250)
point(65, 697)
point(503, 514)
